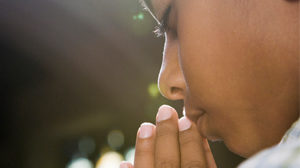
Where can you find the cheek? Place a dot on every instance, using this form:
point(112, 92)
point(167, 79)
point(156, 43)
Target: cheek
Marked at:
point(223, 61)
point(210, 55)
point(241, 75)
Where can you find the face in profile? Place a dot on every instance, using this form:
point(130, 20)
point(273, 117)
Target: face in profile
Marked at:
point(235, 66)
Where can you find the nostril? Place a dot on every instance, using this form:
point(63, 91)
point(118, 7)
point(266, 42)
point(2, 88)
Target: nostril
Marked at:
point(174, 90)
point(176, 93)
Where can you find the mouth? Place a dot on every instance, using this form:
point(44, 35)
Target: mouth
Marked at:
point(198, 116)
point(193, 115)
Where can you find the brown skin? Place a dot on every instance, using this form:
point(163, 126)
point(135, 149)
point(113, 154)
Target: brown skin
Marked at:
point(238, 61)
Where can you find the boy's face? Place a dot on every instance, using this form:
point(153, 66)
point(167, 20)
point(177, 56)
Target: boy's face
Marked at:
point(236, 60)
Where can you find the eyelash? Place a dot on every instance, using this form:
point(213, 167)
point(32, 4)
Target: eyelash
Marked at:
point(162, 28)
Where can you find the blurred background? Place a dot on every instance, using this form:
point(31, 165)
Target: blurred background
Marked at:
point(78, 77)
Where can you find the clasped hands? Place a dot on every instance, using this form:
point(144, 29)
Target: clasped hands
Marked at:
point(171, 143)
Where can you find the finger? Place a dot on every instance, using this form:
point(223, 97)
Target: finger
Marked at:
point(208, 154)
point(166, 142)
point(125, 164)
point(191, 148)
point(144, 149)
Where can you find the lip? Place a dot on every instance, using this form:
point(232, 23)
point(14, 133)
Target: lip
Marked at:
point(194, 115)
point(199, 123)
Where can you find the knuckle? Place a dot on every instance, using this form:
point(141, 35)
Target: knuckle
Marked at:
point(166, 129)
point(166, 164)
point(194, 164)
point(143, 151)
point(187, 139)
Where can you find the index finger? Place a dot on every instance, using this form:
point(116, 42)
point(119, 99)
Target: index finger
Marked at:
point(167, 146)
point(144, 152)
point(191, 145)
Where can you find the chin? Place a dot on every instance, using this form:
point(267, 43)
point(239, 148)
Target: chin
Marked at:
point(241, 148)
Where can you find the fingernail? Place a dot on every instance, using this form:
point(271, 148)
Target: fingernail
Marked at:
point(146, 130)
point(184, 124)
point(164, 113)
point(124, 165)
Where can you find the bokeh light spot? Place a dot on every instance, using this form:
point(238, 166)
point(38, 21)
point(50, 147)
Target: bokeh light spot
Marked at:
point(140, 16)
point(115, 139)
point(80, 163)
point(153, 90)
point(86, 145)
point(129, 154)
point(110, 160)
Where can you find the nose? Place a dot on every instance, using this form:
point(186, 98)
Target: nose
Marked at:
point(171, 81)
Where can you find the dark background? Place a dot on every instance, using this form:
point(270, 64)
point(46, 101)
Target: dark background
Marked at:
point(73, 69)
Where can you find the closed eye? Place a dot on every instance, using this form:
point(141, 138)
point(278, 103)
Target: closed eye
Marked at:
point(162, 27)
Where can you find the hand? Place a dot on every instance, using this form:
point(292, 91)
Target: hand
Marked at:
point(172, 143)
